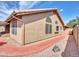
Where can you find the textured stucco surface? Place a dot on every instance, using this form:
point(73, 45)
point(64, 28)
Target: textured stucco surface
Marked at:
point(34, 27)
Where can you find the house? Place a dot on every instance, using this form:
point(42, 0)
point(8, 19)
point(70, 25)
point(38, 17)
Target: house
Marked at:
point(2, 26)
point(33, 25)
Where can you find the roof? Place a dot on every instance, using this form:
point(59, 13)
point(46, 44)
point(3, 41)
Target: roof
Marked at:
point(66, 26)
point(33, 11)
point(29, 12)
point(2, 23)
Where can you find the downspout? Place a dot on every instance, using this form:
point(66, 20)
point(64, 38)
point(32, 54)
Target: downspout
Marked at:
point(23, 28)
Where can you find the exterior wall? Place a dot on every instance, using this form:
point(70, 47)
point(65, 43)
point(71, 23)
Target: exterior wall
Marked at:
point(35, 28)
point(18, 37)
point(55, 18)
point(2, 28)
point(7, 28)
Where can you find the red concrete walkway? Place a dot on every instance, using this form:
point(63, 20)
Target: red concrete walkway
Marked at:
point(9, 50)
point(2, 41)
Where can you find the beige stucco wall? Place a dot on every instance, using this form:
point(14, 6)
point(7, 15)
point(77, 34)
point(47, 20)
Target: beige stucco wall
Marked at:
point(35, 31)
point(55, 18)
point(19, 37)
point(2, 28)
point(34, 28)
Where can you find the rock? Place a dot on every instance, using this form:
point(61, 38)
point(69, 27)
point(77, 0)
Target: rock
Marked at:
point(56, 48)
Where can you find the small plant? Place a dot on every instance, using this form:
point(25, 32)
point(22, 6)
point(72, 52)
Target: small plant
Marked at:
point(56, 48)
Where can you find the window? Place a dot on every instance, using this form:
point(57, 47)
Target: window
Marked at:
point(14, 27)
point(56, 22)
point(48, 28)
point(50, 31)
point(57, 28)
point(48, 20)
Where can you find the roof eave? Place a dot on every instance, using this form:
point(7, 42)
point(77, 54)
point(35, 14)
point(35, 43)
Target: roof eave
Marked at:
point(9, 18)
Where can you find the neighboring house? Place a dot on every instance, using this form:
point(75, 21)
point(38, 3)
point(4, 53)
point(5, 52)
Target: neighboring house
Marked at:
point(34, 25)
point(2, 26)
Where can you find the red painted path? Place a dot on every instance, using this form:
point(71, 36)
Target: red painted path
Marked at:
point(9, 50)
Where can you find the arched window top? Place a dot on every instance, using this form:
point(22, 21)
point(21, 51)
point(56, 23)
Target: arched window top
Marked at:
point(48, 20)
point(56, 22)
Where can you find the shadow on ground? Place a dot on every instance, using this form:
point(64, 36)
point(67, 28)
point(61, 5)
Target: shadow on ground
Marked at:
point(71, 49)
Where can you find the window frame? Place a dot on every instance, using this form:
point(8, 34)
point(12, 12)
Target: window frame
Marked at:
point(14, 27)
point(56, 22)
point(57, 28)
point(48, 26)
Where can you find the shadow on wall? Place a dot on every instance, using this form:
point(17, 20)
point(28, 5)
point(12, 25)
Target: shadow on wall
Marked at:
point(1, 33)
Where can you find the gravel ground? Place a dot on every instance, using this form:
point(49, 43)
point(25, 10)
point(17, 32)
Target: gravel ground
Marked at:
point(29, 49)
point(49, 52)
point(68, 48)
point(66, 45)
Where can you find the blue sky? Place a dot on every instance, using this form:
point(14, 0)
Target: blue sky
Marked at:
point(68, 10)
